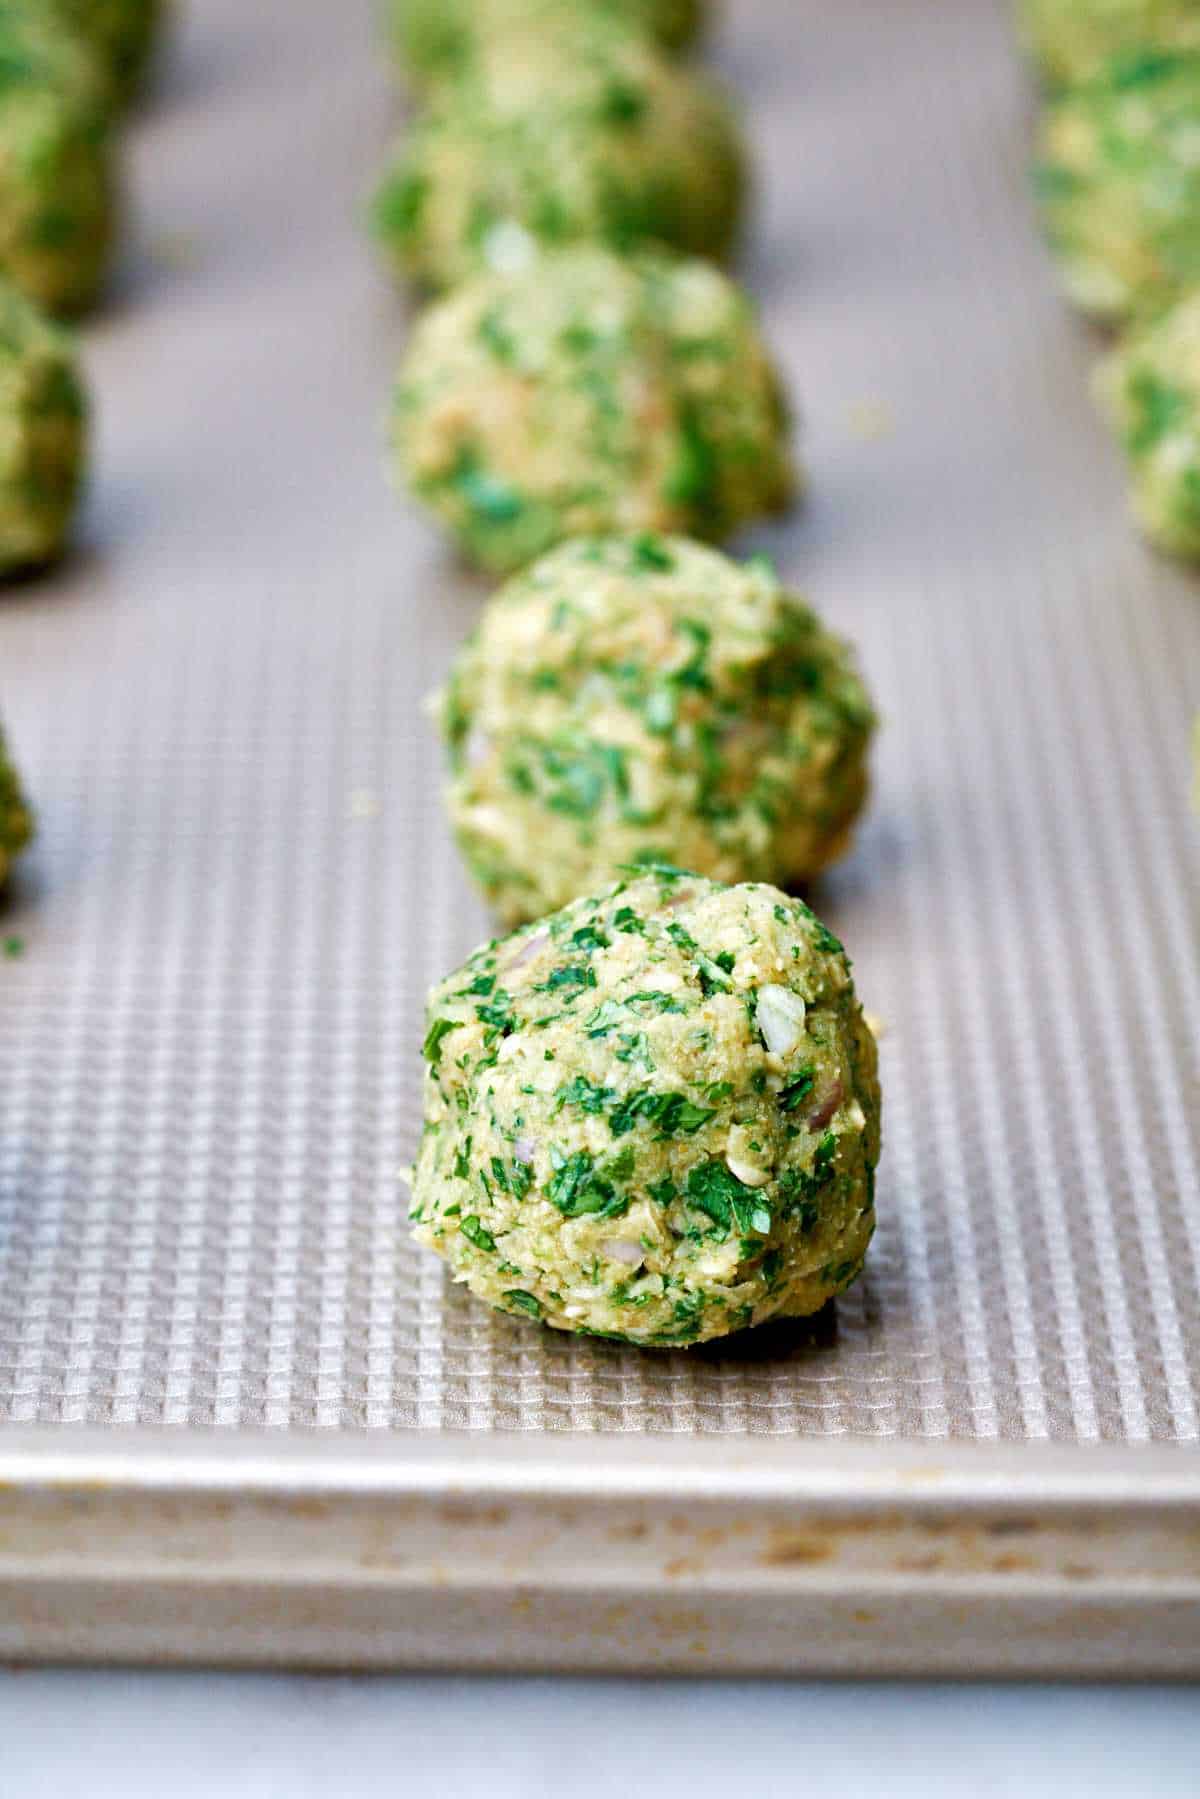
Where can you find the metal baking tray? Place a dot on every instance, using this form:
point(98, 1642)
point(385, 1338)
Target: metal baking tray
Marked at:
point(244, 1419)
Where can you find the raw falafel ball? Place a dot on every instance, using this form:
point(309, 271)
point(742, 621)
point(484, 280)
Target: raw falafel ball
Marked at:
point(43, 434)
point(645, 698)
point(440, 39)
point(1070, 39)
point(653, 1115)
point(595, 137)
point(1118, 181)
point(592, 393)
point(122, 35)
point(16, 822)
point(36, 38)
point(1150, 388)
point(57, 201)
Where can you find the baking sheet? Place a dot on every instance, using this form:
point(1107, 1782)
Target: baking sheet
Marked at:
point(208, 1050)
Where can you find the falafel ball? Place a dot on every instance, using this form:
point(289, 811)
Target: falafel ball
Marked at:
point(436, 40)
point(1118, 182)
point(57, 185)
point(645, 697)
point(1070, 39)
point(43, 434)
point(1150, 389)
point(654, 1115)
point(122, 34)
point(592, 393)
point(550, 141)
point(16, 822)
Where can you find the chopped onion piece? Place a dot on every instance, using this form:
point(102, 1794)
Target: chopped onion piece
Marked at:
point(747, 1173)
point(780, 1016)
point(617, 1250)
point(527, 952)
point(819, 1117)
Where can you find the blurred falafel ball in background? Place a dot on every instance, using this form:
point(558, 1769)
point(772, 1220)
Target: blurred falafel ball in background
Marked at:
point(58, 197)
point(1068, 40)
point(1150, 389)
point(43, 435)
point(438, 40)
point(1118, 183)
point(592, 393)
point(16, 821)
point(586, 133)
point(122, 34)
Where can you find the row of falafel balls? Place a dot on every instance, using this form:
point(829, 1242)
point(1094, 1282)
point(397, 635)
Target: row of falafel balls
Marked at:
point(68, 70)
point(1118, 188)
point(652, 1113)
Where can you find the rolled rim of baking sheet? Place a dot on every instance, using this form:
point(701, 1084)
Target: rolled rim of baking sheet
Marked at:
point(643, 1554)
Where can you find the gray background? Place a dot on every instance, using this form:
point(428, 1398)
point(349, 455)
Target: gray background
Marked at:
point(122, 1736)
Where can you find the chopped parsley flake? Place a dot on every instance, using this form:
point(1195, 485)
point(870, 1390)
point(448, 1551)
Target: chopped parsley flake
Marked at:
point(585, 1095)
point(589, 936)
point(572, 975)
point(713, 1190)
point(671, 1112)
point(435, 1036)
point(496, 1015)
point(474, 1232)
point(650, 553)
point(797, 1088)
point(521, 1301)
point(579, 1187)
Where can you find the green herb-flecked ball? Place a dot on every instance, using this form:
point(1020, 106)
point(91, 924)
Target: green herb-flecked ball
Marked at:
point(122, 34)
point(1150, 388)
point(1118, 178)
point(645, 697)
point(1070, 39)
point(16, 821)
point(37, 33)
point(591, 393)
point(440, 39)
point(57, 201)
point(43, 434)
point(653, 1115)
point(598, 138)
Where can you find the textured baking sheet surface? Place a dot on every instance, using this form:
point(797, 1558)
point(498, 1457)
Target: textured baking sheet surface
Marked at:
point(208, 1069)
